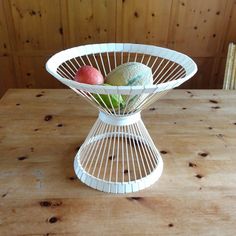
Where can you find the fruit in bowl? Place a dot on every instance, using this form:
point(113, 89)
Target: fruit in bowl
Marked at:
point(131, 74)
point(115, 101)
point(89, 75)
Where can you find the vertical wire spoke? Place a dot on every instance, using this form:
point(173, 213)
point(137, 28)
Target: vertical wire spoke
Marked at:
point(127, 151)
point(149, 58)
point(154, 62)
point(111, 133)
point(90, 63)
point(156, 77)
point(113, 109)
point(139, 97)
point(135, 57)
point(139, 101)
point(117, 154)
point(98, 104)
point(122, 154)
point(103, 67)
point(154, 98)
point(131, 151)
point(68, 76)
point(166, 72)
point(128, 57)
point(153, 147)
point(176, 73)
point(135, 150)
point(153, 155)
point(81, 58)
point(91, 145)
point(70, 68)
point(96, 62)
point(113, 152)
point(73, 65)
point(77, 61)
point(145, 154)
point(139, 150)
point(142, 58)
point(93, 130)
point(86, 98)
point(149, 99)
point(115, 59)
point(158, 67)
point(101, 99)
point(94, 153)
point(108, 130)
point(67, 70)
point(172, 71)
point(117, 92)
point(104, 132)
point(63, 74)
point(109, 64)
point(144, 144)
point(127, 101)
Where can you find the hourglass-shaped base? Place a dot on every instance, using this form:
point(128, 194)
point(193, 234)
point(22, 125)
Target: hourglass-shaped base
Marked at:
point(118, 155)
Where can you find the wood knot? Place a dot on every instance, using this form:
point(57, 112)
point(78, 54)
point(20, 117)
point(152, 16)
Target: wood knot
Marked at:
point(170, 225)
point(199, 176)
point(136, 14)
point(22, 158)
point(213, 101)
point(72, 178)
point(39, 95)
point(203, 154)
point(126, 171)
point(152, 109)
point(134, 198)
point(191, 164)
point(53, 220)
point(59, 125)
point(50, 203)
point(216, 107)
point(45, 204)
point(163, 152)
point(48, 117)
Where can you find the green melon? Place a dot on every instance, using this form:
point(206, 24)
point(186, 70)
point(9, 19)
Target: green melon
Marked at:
point(131, 74)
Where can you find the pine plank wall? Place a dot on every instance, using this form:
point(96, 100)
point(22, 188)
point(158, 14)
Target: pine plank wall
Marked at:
point(32, 30)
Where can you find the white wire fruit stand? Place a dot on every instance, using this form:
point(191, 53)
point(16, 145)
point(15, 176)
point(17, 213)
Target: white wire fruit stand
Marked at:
point(118, 155)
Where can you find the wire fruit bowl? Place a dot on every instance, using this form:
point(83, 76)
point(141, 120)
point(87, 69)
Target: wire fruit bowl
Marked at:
point(118, 155)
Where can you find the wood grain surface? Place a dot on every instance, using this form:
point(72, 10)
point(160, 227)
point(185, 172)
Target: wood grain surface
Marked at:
point(41, 131)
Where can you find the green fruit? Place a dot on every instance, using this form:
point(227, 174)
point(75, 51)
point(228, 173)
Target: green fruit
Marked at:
point(116, 100)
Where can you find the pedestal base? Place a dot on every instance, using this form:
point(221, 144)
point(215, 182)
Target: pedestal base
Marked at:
point(118, 156)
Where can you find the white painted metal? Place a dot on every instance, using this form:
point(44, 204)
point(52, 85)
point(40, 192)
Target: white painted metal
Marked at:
point(118, 155)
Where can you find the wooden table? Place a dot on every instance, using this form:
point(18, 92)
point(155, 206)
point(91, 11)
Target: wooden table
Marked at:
point(41, 130)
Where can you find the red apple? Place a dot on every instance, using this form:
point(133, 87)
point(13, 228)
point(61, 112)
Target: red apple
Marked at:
point(89, 75)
